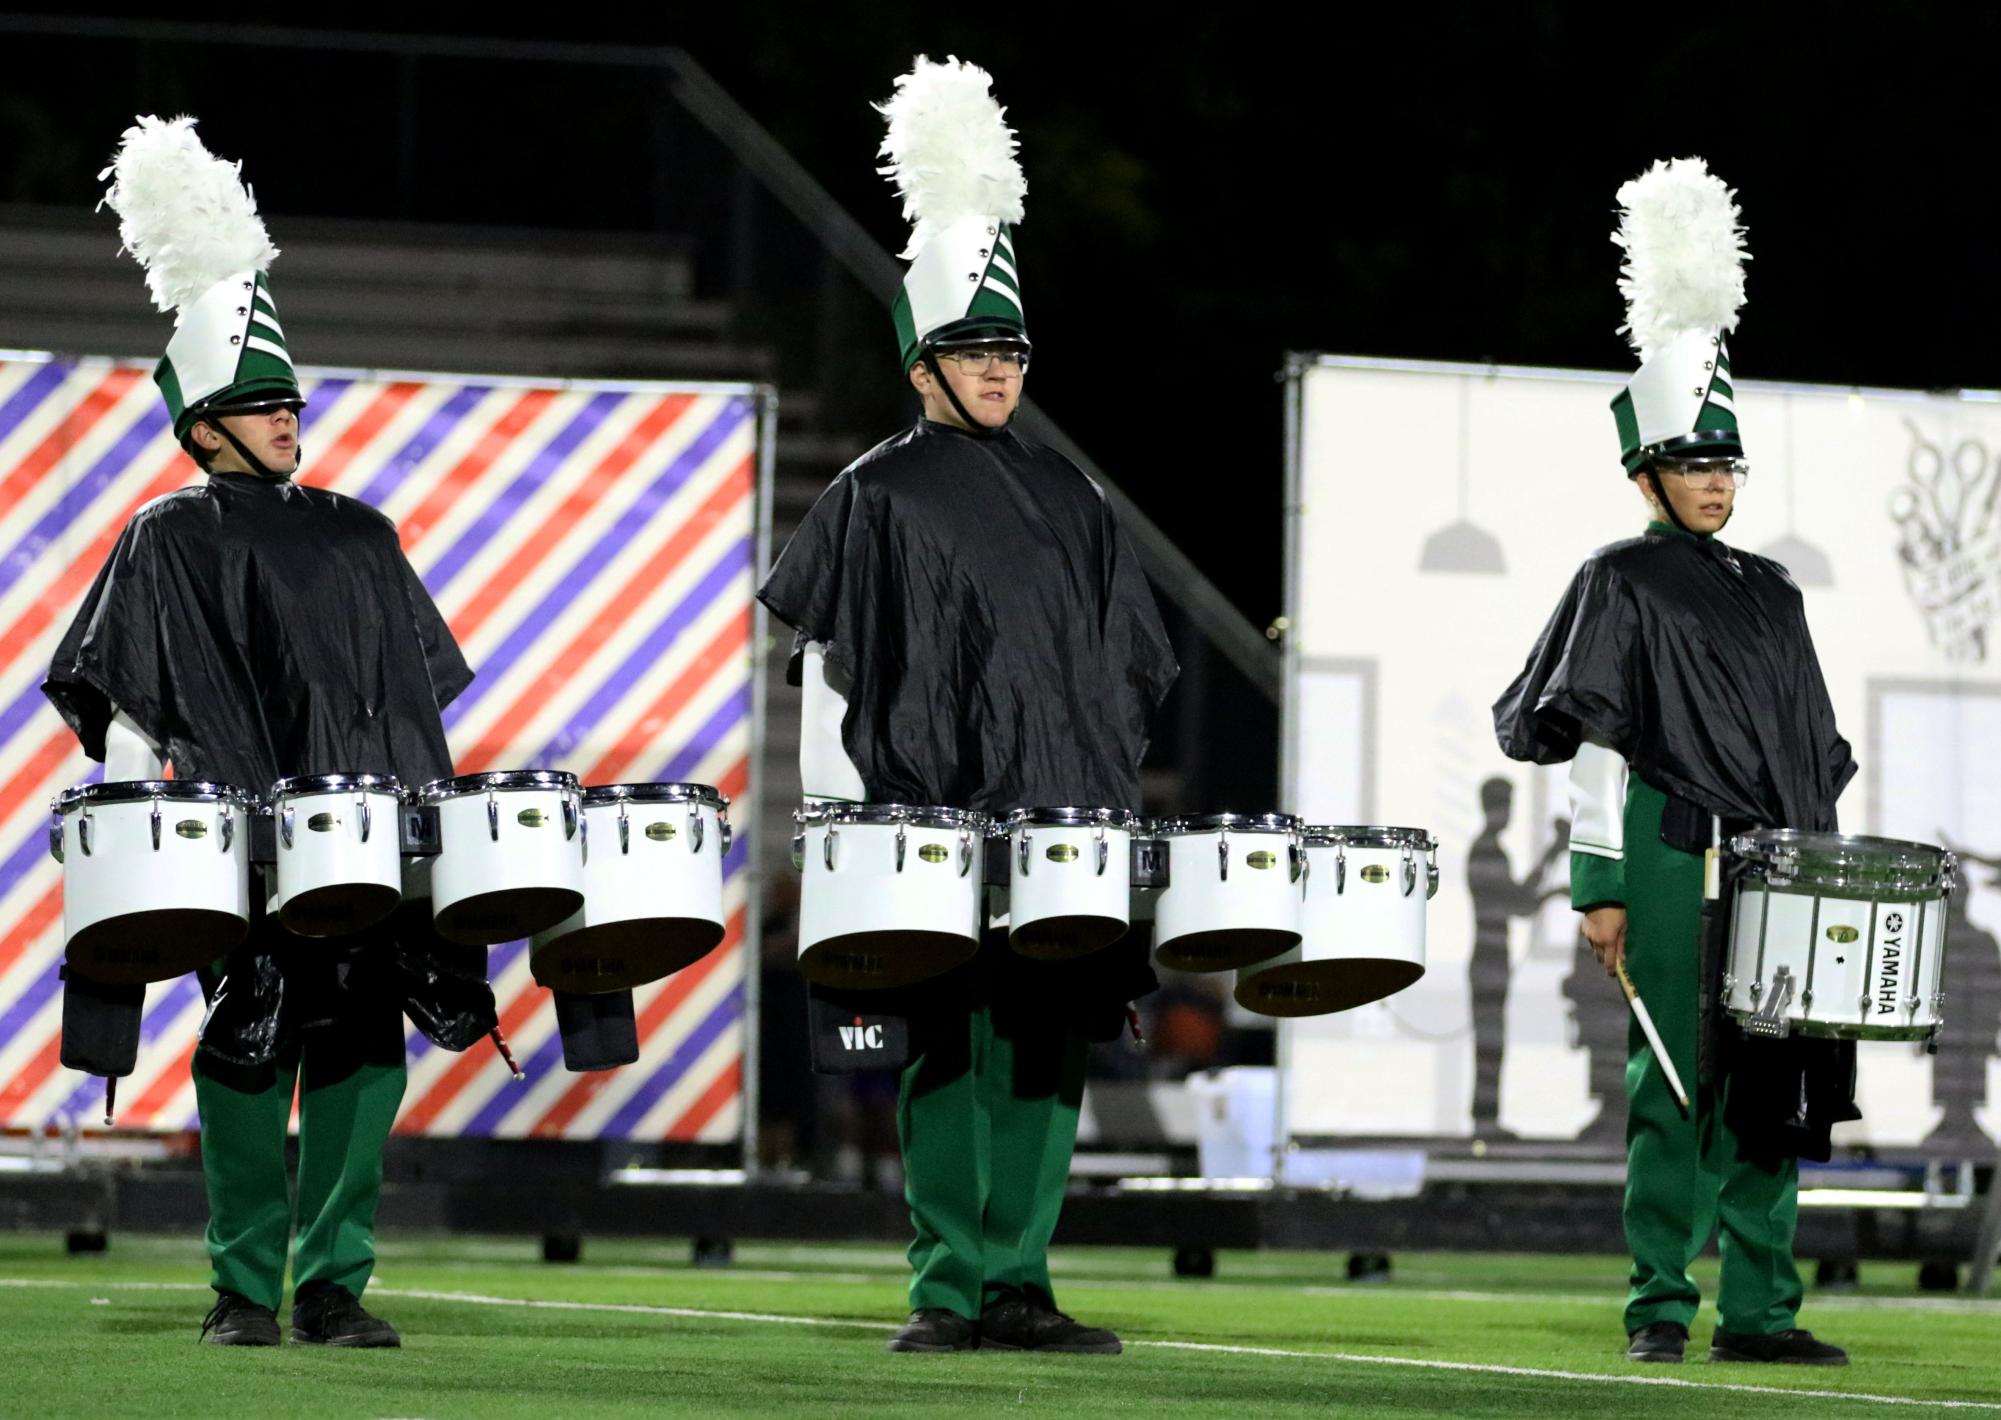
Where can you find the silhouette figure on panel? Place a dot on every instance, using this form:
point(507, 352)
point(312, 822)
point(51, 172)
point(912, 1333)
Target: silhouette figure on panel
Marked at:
point(1497, 900)
point(1972, 1014)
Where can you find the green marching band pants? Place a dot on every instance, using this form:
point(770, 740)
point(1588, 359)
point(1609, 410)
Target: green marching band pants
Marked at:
point(346, 1106)
point(1684, 1177)
point(987, 1117)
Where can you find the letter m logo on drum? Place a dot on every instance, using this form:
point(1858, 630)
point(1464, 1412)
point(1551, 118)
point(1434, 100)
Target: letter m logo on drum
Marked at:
point(593, 549)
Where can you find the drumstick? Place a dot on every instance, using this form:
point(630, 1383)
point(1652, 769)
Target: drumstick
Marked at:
point(110, 1097)
point(500, 1044)
point(1653, 1036)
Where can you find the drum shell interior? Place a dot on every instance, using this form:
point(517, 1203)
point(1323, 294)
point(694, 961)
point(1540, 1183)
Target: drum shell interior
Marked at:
point(329, 880)
point(653, 898)
point(1862, 968)
point(136, 914)
point(1205, 920)
point(1363, 935)
point(487, 889)
point(1062, 901)
point(865, 924)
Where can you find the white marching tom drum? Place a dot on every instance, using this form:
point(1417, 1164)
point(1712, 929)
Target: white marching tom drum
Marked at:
point(653, 889)
point(340, 852)
point(510, 853)
point(1234, 890)
point(1069, 880)
point(892, 893)
point(1837, 935)
point(1361, 923)
point(156, 876)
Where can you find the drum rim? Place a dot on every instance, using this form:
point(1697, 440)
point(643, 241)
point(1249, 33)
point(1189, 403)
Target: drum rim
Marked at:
point(1068, 817)
point(438, 790)
point(192, 791)
point(1755, 847)
point(335, 784)
point(1242, 823)
point(661, 793)
point(1374, 835)
point(915, 815)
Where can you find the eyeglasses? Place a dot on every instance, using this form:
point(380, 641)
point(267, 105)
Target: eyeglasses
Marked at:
point(1707, 473)
point(1013, 360)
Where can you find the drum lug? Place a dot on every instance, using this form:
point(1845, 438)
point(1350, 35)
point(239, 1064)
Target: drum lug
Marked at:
point(584, 834)
point(367, 815)
point(1340, 870)
point(1223, 855)
point(1022, 850)
point(572, 816)
point(226, 828)
point(798, 848)
point(1104, 850)
point(729, 837)
point(695, 827)
point(1431, 876)
point(1409, 871)
point(493, 815)
point(285, 819)
point(625, 836)
point(55, 835)
point(901, 843)
point(156, 825)
point(1767, 1021)
point(965, 852)
point(827, 847)
point(83, 831)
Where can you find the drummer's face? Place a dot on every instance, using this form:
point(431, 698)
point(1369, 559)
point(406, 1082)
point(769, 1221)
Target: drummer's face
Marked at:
point(990, 397)
point(272, 436)
point(1702, 501)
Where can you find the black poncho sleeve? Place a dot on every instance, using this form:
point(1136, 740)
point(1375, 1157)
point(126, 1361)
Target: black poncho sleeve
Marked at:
point(449, 673)
point(816, 587)
point(114, 653)
point(1587, 669)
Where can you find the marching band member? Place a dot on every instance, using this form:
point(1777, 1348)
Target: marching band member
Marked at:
point(1679, 678)
point(249, 628)
point(976, 632)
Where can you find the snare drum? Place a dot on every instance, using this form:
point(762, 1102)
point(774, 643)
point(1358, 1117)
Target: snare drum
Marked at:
point(892, 892)
point(340, 852)
point(510, 853)
point(1833, 935)
point(653, 889)
point(1233, 896)
point(1069, 880)
point(1362, 923)
point(156, 876)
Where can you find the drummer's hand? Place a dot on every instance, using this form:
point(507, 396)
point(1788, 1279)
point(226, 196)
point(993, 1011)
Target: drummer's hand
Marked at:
point(1605, 931)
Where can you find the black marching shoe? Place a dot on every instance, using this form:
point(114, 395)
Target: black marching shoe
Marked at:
point(238, 1321)
point(935, 1329)
point(324, 1314)
point(1020, 1321)
point(1785, 1348)
point(1658, 1341)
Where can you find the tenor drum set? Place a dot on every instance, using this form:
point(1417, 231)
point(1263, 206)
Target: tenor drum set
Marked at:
point(1312, 919)
point(616, 885)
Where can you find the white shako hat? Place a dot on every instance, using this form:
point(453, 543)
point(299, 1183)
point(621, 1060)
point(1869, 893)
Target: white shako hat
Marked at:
point(190, 221)
point(952, 157)
point(1683, 281)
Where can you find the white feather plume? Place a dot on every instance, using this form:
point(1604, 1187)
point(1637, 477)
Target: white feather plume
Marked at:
point(1685, 254)
point(951, 153)
point(184, 213)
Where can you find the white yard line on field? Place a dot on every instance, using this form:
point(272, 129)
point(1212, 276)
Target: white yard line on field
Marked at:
point(1280, 1353)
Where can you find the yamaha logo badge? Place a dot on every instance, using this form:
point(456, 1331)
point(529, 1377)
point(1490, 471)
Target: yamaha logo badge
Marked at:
point(1375, 873)
point(1842, 934)
point(659, 832)
point(322, 823)
point(1262, 859)
point(1062, 853)
point(191, 828)
point(531, 818)
point(934, 853)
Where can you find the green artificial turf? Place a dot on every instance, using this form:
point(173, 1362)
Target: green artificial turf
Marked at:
point(491, 1332)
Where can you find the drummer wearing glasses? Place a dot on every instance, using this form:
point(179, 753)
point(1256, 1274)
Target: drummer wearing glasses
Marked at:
point(975, 633)
point(1679, 678)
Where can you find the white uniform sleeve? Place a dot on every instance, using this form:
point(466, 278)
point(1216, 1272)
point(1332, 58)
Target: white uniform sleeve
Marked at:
point(128, 754)
point(1598, 801)
point(825, 771)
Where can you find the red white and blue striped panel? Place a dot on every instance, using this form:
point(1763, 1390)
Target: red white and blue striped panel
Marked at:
point(593, 547)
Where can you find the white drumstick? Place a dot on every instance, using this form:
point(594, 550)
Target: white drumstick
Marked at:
point(1653, 1037)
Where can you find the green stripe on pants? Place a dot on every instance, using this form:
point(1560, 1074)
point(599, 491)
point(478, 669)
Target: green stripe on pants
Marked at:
point(1683, 1174)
